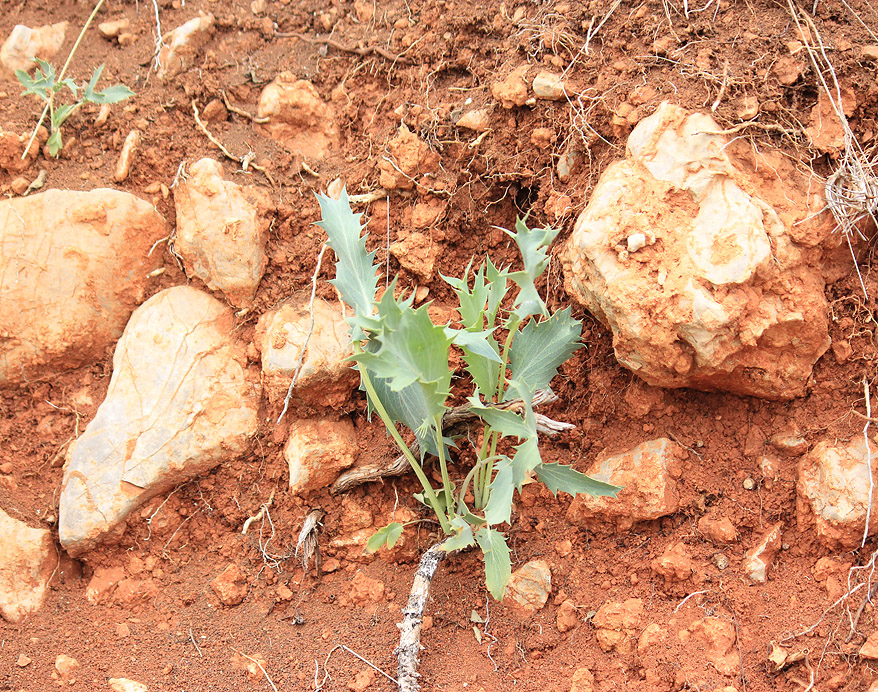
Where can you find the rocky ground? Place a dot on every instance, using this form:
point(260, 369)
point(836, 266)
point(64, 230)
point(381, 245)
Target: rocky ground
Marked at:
point(160, 278)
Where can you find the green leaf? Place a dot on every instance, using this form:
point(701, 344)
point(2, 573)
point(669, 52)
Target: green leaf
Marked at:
point(559, 477)
point(484, 371)
point(541, 347)
point(527, 458)
point(532, 243)
point(386, 535)
point(90, 88)
point(462, 538)
point(499, 287)
point(54, 142)
point(507, 423)
point(472, 302)
point(498, 565)
point(25, 79)
point(62, 112)
point(112, 94)
point(356, 276)
point(499, 507)
point(479, 343)
point(409, 406)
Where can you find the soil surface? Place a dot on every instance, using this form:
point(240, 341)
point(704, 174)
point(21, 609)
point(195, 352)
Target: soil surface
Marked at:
point(167, 628)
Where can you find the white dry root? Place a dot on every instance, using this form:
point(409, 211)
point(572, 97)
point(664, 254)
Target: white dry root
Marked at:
point(410, 627)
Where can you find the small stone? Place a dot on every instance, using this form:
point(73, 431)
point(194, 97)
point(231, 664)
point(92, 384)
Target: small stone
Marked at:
point(749, 484)
point(512, 90)
point(721, 561)
point(126, 685)
point(636, 241)
point(27, 560)
point(365, 10)
point(182, 45)
point(582, 681)
point(542, 137)
point(364, 590)
point(111, 29)
point(66, 665)
point(617, 624)
point(758, 560)
point(230, 586)
point(869, 52)
point(675, 564)
point(653, 634)
point(408, 158)
point(126, 38)
point(869, 649)
point(126, 156)
point(123, 630)
point(787, 70)
point(317, 451)
point(564, 547)
point(567, 617)
point(530, 585)
point(789, 442)
point(718, 530)
point(549, 86)
point(215, 111)
point(566, 162)
point(23, 661)
point(19, 185)
point(284, 592)
point(477, 120)
point(364, 678)
point(716, 638)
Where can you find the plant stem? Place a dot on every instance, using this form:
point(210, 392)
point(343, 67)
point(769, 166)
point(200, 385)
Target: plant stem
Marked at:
point(49, 105)
point(394, 433)
point(479, 485)
point(443, 464)
point(513, 325)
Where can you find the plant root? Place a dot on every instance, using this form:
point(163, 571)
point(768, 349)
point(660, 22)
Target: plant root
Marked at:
point(410, 627)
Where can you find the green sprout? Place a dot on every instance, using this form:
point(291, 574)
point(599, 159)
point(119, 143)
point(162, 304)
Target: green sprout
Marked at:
point(512, 350)
point(46, 85)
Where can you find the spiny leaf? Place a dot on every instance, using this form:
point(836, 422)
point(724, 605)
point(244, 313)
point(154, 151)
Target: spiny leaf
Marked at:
point(356, 276)
point(507, 423)
point(386, 535)
point(532, 244)
point(499, 507)
point(112, 94)
point(498, 566)
point(478, 342)
point(462, 538)
point(541, 347)
point(527, 458)
point(559, 477)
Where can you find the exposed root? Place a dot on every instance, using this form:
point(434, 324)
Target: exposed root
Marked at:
point(308, 544)
point(410, 627)
point(332, 43)
point(455, 422)
point(259, 515)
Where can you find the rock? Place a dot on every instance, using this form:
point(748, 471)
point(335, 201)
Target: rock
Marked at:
point(870, 53)
point(417, 253)
point(230, 585)
point(317, 451)
point(181, 400)
point(250, 665)
point(582, 681)
point(364, 678)
point(617, 624)
point(833, 491)
point(789, 441)
point(869, 649)
point(647, 475)
point(126, 156)
point(652, 635)
point(298, 117)
point(478, 120)
point(718, 530)
point(12, 156)
point(714, 638)
point(112, 29)
point(512, 90)
point(27, 560)
point(355, 514)
point(675, 564)
point(787, 70)
point(567, 617)
point(566, 163)
point(408, 158)
point(222, 229)
point(365, 590)
point(549, 86)
point(73, 265)
point(66, 665)
point(215, 111)
point(825, 130)
point(326, 379)
point(529, 586)
point(720, 560)
point(126, 685)
point(758, 560)
point(182, 45)
point(23, 661)
point(725, 297)
point(24, 44)
point(748, 108)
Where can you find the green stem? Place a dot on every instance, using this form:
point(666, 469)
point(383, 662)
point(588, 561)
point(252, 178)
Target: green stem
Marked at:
point(70, 55)
point(473, 472)
point(394, 433)
point(488, 471)
point(512, 326)
point(479, 485)
point(443, 464)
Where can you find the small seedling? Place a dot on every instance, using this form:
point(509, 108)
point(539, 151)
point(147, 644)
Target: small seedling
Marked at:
point(45, 84)
point(512, 349)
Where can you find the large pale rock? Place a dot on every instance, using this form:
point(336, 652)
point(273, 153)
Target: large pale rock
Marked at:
point(222, 229)
point(704, 263)
point(73, 265)
point(298, 118)
point(181, 400)
point(317, 451)
point(648, 477)
point(325, 377)
point(24, 44)
point(182, 45)
point(832, 493)
point(27, 560)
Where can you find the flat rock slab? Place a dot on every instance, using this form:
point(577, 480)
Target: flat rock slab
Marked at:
point(73, 265)
point(704, 263)
point(222, 229)
point(181, 401)
point(27, 560)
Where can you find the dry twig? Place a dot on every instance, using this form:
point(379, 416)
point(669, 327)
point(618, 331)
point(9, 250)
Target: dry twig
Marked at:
point(308, 543)
point(332, 43)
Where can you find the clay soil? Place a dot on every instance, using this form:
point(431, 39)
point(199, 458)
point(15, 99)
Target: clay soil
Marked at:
point(165, 627)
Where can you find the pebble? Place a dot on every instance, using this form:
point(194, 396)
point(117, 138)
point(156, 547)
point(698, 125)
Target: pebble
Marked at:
point(23, 661)
point(549, 86)
point(720, 560)
point(126, 156)
point(749, 484)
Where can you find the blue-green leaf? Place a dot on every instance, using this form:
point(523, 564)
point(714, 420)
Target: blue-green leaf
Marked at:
point(499, 507)
point(112, 94)
point(527, 458)
point(462, 537)
point(559, 477)
point(386, 535)
point(541, 347)
point(507, 423)
point(532, 243)
point(498, 565)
